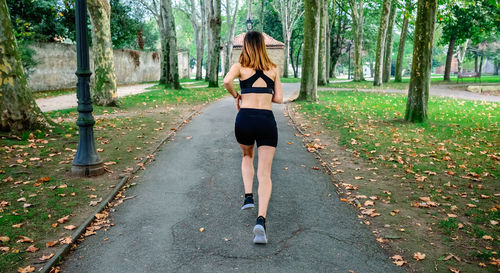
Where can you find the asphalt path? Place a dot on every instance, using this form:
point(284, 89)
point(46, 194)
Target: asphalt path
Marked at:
point(195, 182)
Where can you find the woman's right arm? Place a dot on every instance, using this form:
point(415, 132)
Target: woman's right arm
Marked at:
point(229, 78)
point(278, 89)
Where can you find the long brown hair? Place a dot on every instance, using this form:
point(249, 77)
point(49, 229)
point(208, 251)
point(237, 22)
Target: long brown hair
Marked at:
point(254, 54)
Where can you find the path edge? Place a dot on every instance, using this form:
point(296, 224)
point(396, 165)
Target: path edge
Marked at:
point(49, 266)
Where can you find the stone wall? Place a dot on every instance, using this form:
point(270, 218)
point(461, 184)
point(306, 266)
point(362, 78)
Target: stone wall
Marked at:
point(57, 65)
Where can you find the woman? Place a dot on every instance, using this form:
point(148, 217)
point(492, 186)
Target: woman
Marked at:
point(260, 87)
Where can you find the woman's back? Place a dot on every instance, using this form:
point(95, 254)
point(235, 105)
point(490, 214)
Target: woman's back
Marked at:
point(257, 87)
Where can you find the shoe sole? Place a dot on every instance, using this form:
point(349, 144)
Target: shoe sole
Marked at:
point(247, 206)
point(260, 235)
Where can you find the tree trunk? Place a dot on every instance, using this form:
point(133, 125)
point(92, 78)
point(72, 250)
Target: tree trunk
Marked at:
point(231, 23)
point(497, 67)
point(323, 22)
point(475, 62)
point(328, 49)
point(481, 65)
point(294, 66)
point(18, 109)
point(206, 20)
point(418, 92)
point(382, 32)
point(461, 51)
point(104, 91)
point(296, 72)
point(386, 72)
point(171, 42)
point(449, 57)
point(309, 79)
point(402, 41)
point(214, 17)
point(357, 22)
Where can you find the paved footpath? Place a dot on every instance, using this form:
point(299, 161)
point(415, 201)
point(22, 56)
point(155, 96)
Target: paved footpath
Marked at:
point(196, 183)
point(69, 101)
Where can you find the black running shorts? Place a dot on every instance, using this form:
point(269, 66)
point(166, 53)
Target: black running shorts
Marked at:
point(256, 125)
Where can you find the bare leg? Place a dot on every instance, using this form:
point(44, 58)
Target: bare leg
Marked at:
point(266, 154)
point(247, 170)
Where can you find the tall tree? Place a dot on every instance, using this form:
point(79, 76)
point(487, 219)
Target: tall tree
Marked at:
point(323, 44)
point(418, 92)
point(172, 77)
point(193, 10)
point(357, 7)
point(18, 109)
point(309, 80)
point(231, 13)
point(382, 33)
point(104, 90)
point(338, 28)
point(386, 71)
point(290, 12)
point(402, 42)
point(154, 7)
point(214, 23)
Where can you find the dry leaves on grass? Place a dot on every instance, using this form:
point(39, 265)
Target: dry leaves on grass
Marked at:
point(4, 239)
point(24, 239)
point(50, 243)
point(27, 269)
point(398, 260)
point(418, 256)
point(63, 219)
point(46, 257)
point(32, 249)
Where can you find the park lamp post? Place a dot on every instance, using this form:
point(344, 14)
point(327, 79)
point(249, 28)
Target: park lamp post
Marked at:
point(349, 44)
point(86, 161)
point(249, 24)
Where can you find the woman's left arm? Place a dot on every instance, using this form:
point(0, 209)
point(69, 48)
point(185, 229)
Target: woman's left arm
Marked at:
point(278, 89)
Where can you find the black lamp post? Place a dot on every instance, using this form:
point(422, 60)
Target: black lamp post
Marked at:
point(249, 24)
point(349, 44)
point(86, 161)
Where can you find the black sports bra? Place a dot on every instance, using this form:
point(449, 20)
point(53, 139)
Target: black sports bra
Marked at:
point(246, 85)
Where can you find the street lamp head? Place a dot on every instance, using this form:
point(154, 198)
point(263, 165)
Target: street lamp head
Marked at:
point(249, 23)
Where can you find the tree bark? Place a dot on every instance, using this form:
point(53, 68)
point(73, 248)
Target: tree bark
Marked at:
point(18, 109)
point(357, 22)
point(480, 70)
point(449, 57)
point(497, 67)
point(461, 51)
point(231, 23)
point(309, 79)
point(418, 92)
point(214, 17)
point(386, 72)
point(323, 23)
point(475, 63)
point(104, 89)
point(171, 42)
point(379, 55)
point(402, 42)
point(206, 20)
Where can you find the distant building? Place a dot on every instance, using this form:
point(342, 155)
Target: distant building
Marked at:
point(275, 50)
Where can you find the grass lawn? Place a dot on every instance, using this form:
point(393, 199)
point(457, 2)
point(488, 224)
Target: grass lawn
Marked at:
point(36, 189)
point(404, 83)
point(435, 184)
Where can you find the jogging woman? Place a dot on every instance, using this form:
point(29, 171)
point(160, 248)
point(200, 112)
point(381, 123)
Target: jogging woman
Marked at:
point(260, 87)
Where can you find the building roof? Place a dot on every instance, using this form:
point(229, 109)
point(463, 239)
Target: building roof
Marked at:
point(270, 41)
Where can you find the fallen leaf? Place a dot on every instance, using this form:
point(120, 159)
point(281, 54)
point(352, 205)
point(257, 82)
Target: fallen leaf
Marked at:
point(27, 205)
point(62, 186)
point(65, 240)
point(368, 203)
point(46, 257)
point(454, 270)
point(202, 229)
point(27, 269)
point(63, 219)
point(418, 256)
point(70, 227)
point(43, 179)
point(24, 239)
point(358, 177)
point(4, 238)
point(487, 237)
point(50, 243)
point(32, 248)
point(17, 225)
point(4, 249)
point(22, 199)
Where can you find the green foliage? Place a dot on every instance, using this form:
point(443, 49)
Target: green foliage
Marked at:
point(125, 26)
